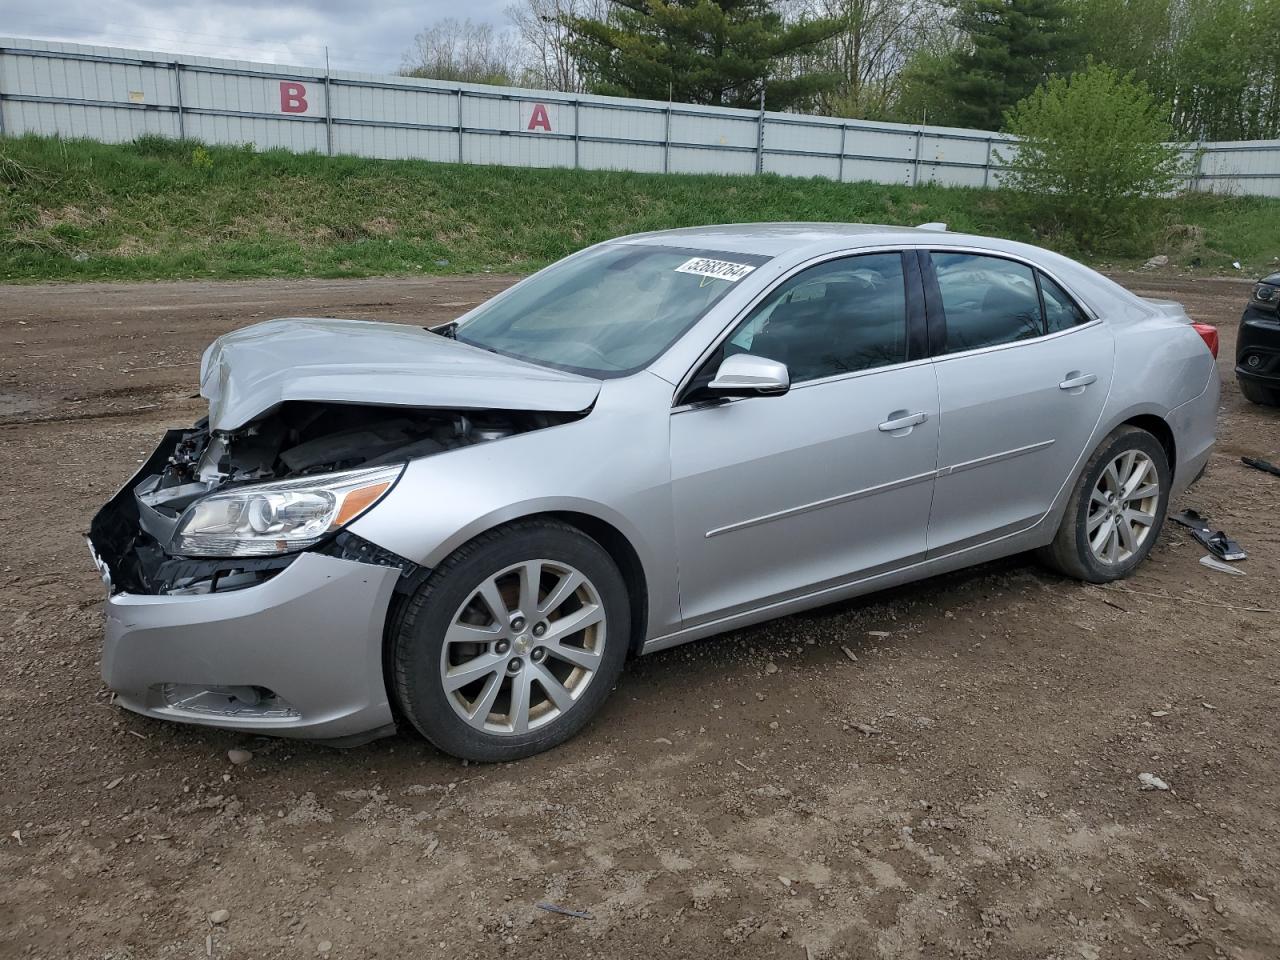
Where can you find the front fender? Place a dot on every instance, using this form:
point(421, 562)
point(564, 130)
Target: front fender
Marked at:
point(612, 465)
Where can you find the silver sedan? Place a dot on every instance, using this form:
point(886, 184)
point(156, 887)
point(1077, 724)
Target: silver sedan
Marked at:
point(469, 530)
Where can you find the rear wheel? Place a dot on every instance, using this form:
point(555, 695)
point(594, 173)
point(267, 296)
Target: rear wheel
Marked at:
point(1257, 393)
point(513, 643)
point(1116, 509)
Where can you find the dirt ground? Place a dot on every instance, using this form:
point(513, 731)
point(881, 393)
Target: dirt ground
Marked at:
point(967, 788)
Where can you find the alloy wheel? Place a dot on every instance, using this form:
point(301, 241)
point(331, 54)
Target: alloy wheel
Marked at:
point(1122, 507)
point(522, 648)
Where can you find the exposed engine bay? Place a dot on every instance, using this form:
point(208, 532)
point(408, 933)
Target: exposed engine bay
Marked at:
point(132, 533)
point(302, 438)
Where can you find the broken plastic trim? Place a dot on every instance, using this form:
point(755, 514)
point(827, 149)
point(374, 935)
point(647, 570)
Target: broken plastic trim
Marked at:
point(345, 545)
point(211, 575)
point(1218, 543)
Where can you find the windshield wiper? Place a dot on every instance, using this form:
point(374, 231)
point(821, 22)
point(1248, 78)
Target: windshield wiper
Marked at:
point(449, 330)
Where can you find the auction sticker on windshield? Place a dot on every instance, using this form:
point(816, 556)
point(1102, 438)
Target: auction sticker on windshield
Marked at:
point(716, 269)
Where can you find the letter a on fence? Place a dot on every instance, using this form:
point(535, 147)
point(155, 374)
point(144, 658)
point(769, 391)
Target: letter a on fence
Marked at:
point(539, 118)
point(293, 97)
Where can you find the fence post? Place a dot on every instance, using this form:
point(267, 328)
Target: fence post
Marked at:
point(460, 125)
point(915, 163)
point(986, 166)
point(577, 105)
point(844, 137)
point(328, 106)
point(177, 87)
point(666, 141)
point(760, 136)
point(1, 98)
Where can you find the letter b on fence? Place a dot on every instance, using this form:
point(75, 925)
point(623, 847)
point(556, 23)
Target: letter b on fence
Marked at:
point(293, 97)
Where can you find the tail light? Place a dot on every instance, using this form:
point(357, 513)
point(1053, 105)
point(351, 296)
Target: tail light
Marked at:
point(1209, 334)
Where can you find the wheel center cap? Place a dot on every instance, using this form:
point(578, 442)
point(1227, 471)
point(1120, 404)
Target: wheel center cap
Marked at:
point(522, 644)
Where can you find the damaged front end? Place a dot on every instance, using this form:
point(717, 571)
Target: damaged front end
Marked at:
point(213, 511)
point(237, 598)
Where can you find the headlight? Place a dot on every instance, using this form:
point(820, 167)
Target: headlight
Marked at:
point(269, 518)
point(1266, 293)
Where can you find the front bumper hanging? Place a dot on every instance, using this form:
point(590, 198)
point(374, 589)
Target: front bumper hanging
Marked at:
point(289, 646)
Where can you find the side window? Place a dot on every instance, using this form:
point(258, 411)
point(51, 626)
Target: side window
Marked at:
point(987, 300)
point(838, 317)
point(1060, 311)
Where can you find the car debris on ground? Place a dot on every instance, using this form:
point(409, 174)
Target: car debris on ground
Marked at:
point(1264, 465)
point(1217, 541)
point(1213, 563)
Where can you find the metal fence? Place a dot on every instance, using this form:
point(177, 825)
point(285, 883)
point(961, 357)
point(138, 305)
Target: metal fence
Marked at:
point(116, 95)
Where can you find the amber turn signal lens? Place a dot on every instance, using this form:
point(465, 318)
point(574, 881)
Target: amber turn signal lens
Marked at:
point(357, 501)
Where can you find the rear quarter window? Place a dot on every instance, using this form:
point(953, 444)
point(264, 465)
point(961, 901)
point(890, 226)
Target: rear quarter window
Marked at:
point(1060, 311)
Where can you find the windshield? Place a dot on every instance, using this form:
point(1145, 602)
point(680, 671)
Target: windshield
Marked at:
point(609, 312)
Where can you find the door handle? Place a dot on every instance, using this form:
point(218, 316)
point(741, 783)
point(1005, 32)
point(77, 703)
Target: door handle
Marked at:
point(901, 420)
point(1076, 380)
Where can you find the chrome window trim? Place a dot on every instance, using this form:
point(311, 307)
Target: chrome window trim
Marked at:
point(728, 329)
point(1085, 306)
point(1093, 317)
point(978, 351)
point(1089, 312)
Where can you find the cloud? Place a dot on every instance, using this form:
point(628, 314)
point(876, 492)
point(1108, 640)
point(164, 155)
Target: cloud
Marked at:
point(360, 34)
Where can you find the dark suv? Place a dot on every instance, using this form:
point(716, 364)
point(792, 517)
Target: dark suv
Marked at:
point(1258, 344)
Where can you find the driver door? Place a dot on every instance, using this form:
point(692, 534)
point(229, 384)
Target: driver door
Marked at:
point(777, 497)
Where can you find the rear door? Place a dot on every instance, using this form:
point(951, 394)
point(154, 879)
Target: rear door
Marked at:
point(1023, 375)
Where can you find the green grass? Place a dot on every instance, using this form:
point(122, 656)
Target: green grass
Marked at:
point(162, 209)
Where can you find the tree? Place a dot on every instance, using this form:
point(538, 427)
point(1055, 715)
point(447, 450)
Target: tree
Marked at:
point(542, 26)
point(718, 52)
point(876, 38)
point(1215, 63)
point(1226, 70)
point(1093, 154)
point(1134, 36)
point(460, 50)
point(1008, 47)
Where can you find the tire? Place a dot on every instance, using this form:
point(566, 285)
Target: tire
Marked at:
point(1074, 550)
point(1259, 394)
point(457, 603)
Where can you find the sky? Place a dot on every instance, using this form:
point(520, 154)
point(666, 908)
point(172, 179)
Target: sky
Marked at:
point(366, 35)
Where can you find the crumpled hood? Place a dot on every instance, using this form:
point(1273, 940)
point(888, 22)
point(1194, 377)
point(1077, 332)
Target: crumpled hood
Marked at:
point(245, 373)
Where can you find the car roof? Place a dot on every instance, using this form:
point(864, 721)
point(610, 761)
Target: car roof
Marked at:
point(816, 239)
point(801, 241)
point(774, 239)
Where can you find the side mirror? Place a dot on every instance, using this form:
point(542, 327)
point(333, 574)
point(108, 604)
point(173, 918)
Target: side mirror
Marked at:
point(747, 375)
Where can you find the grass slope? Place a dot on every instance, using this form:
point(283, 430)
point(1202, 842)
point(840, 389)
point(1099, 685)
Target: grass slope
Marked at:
point(159, 209)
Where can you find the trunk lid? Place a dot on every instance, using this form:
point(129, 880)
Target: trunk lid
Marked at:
point(1170, 309)
point(245, 373)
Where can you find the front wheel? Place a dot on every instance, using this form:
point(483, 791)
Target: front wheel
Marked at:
point(513, 643)
point(1116, 509)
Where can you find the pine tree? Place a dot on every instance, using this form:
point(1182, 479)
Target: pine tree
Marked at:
point(717, 52)
point(1010, 47)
